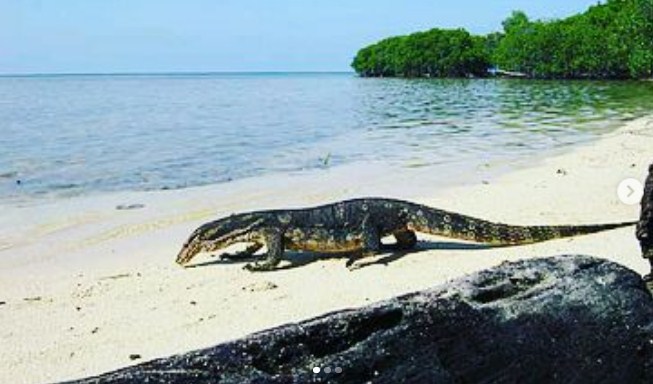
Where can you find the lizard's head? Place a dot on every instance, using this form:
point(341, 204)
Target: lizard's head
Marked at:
point(217, 235)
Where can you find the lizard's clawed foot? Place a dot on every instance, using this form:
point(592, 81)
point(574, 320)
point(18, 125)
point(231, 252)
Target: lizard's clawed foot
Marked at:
point(350, 262)
point(353, 258)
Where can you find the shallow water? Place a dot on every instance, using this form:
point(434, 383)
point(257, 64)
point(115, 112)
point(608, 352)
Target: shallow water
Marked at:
point(71, 135)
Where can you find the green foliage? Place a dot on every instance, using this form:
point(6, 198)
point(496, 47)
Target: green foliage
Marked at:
point(516, 22)
point(610, 40)
point(613, 40)
point(434, 53)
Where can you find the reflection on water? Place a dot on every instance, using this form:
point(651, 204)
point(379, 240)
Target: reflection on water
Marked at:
point(75, 134)
point(433, 119)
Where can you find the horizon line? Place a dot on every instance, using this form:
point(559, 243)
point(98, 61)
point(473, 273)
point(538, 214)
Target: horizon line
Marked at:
point(165, 73)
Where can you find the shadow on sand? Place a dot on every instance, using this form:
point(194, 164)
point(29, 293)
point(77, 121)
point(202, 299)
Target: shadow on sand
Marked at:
point(355, 261)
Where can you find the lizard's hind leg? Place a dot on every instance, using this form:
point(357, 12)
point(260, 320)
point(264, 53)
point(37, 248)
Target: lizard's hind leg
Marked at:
point(406, 240)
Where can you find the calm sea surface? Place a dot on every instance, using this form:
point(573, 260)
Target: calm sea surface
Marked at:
point(71, 135)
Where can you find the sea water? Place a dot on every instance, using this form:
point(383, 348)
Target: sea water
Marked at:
point(67, 135)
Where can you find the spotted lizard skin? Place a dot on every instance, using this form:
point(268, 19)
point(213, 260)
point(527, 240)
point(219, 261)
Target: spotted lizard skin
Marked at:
point(356, 226)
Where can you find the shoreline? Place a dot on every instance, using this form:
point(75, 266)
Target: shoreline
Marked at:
point(85, 285)
point(487, 168)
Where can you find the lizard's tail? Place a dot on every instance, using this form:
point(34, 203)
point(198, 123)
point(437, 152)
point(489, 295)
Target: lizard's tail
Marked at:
point(453, 225)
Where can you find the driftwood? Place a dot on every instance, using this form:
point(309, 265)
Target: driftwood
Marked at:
point(645, 225)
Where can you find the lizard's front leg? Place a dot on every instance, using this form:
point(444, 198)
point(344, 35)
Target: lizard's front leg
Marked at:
point(274, 241)
point(247, 253)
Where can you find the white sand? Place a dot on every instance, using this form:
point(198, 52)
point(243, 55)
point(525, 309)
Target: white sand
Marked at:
point(86, 285)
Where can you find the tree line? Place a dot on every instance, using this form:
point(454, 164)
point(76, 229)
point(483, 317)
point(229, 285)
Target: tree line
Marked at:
point(611, 40)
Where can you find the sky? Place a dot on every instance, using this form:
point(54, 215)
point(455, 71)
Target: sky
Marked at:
point(111, 36)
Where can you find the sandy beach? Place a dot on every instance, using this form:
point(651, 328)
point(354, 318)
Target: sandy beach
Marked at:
point(86, 287)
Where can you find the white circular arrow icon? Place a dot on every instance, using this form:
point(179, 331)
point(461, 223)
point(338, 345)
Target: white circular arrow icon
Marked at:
point(630, 191)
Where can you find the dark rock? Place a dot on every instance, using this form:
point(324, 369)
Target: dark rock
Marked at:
point(561, 319)
point(645, 226)
point(644, 231)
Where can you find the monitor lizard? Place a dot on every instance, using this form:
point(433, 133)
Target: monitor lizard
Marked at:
point(357, 226)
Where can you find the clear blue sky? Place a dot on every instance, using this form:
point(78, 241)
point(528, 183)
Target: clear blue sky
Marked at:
point(80, 36)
